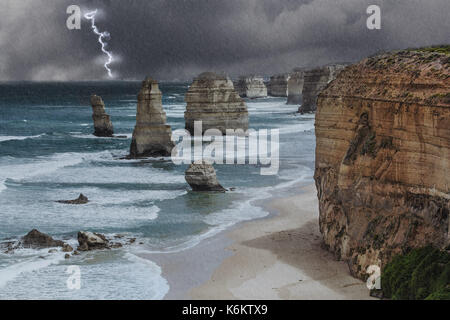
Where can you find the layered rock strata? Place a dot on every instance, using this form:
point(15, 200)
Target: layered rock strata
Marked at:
point(315, 81)
point(251, 87)
point(201, 176)
point(212, 99)
point(278, 85)
point(102, 122)
point(152, 137)
point(295, 87)
point(383, 158)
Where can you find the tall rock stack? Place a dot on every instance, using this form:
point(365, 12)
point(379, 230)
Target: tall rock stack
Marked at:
point(314, 82)
point(152, 137)
point(102, 122)
point(383, 158)
point(251, 87)
point(212, 99)
point(278, 85)
point(295, 87)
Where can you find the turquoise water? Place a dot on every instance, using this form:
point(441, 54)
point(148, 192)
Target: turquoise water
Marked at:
point(48, 152)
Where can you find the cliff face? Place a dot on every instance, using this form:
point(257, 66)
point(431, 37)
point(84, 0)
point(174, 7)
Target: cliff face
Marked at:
point(383, 158)
point(295, 87)
point(151, 136)
point(251, 87)
point(102, 122)
point(278, 85)
point(212, 99)
point(315, 81)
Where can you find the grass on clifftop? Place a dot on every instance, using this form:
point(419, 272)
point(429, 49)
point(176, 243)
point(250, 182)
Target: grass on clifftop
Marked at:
point(420, 274)
point(438, 49)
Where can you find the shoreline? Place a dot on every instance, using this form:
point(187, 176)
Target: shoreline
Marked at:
point(279, 256)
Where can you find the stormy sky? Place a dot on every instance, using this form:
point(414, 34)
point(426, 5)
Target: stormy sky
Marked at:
point(178, 39)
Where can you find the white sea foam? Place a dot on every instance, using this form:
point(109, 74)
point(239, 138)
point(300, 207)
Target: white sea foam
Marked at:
point(9, 138)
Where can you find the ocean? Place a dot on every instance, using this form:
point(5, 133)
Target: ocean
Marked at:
point(48, 153)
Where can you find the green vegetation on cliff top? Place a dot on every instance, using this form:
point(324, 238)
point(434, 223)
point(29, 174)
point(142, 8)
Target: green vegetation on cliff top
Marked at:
point(438, 49)
point(420, 274)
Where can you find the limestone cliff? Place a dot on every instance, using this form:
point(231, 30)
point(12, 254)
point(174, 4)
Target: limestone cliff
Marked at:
point(102, 122)
point(295, 87)
point(315, 81)
point(278, 85)
point(251, 87)
point(383, 157)
point(212, 99)
point(152, 137)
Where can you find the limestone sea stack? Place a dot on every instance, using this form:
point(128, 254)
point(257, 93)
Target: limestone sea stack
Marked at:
point(295, 87)
point(278, 85)
point(251, 87)
point(102, 122)
point(314, 82)
point(201, 176)
point(383, 157)
point(152, 137)
point(212, 99)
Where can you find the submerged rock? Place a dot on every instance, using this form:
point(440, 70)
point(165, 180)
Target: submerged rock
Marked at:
point(212, 99)
point(102, 122)
point(251, 87)
point(278, 85)
point(82, 199)
point(314, 82)
point(295, 87)
point(152, 137)
point(91, 241)
point(37, 239)
point(201, 176)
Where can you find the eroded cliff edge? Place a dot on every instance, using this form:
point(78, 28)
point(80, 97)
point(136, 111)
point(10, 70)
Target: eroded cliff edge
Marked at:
point(383, 157)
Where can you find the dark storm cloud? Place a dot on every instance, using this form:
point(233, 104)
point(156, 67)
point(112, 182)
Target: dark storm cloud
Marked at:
point(177, 39)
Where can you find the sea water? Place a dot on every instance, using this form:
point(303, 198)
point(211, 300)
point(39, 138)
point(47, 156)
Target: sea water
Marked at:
point(48, 153)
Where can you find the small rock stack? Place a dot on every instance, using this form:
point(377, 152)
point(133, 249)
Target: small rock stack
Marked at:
point(212, 99)
point(102, 122)
point(201, 176)
point(314, 82)
point(152, 137)
point(278, 85)
point(295, 87)
point(251, 87)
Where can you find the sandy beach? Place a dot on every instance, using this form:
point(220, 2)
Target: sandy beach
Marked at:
point(279, 257)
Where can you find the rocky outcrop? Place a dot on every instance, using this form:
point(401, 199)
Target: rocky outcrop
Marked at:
point(91, 241)
point(82, 199)
point(36, 239)
point(251, 87)
point(212, 99)
point(295, 87)
point(278, 85)
point(383, 158)
point(201, 176)
point(314, 82)
point(152, 137)
point(102, 122)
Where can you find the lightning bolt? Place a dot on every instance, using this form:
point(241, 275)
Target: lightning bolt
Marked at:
point(101, 37)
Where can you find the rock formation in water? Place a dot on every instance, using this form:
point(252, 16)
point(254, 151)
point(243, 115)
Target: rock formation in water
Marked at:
point(314, 82)
point(152, 137)
point(91, 241)
point(278, 85)
point(201, 176)
point(82, 199)
point(212, 99)
point(37, 239)
point(383, 158)
point(295, 87)
point(102, 122)
point(251, 87)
